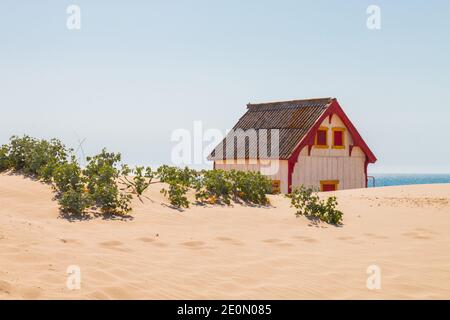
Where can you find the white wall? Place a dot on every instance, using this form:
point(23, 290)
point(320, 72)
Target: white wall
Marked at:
point(331, 164)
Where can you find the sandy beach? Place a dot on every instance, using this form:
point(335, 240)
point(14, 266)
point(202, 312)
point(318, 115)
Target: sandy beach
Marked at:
point(220, 252)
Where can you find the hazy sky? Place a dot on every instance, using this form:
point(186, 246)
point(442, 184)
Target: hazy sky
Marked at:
point(137, 70)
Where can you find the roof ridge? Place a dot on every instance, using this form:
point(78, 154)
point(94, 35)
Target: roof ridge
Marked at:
point(328, 99)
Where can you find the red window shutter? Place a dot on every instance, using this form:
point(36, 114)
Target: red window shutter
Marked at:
point(321, 137)
point(338, 141)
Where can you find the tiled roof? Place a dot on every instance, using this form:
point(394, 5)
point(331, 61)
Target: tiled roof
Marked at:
point(291, 119)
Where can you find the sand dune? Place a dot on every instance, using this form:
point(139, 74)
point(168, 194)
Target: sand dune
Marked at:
point(228, 252)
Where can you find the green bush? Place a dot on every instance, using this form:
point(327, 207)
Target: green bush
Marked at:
point(308, 204)
point(142, 178)
point(68, 176)
point(98, 185)
point(74, 202)
point(185, 176)
point(76, 189)
point(179, 181)
point(214, 186)
point(222, 186)
point(19, 150)
point(52, 154)
point(251, 187)
point(70, 188)
point(176, 194)
point(4, 158)
point(102, 174)
point(35, 158)
point(139, 182)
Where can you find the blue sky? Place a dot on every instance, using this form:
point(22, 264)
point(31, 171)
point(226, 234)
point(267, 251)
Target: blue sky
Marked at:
point(137, 70)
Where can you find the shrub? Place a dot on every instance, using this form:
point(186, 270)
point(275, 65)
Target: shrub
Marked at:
point(308, 204)
point(176, 195)
point(102, 174)
point(214, 186)
point(74, 202)
point(35, 158)
point(68, 176)
point(98, 184)
point(186, 176)
point(332, 215)
point(251, 187)
point(19, 151)
point(141, 180)
point(4, 158)
point(52, 154)
point(179, 181)
point(70, 187)
point(76, 189)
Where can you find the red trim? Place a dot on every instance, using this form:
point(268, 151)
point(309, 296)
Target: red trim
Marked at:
point(308, 139)
point(290, 170)
point(366, 164)
point(309, 149)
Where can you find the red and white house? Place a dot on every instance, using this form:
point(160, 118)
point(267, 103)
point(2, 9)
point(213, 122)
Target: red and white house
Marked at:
point(318, 145)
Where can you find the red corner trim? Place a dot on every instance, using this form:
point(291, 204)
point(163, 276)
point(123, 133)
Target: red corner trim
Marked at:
point(366, 164)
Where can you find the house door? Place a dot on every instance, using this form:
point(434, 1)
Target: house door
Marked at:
point(329, 185)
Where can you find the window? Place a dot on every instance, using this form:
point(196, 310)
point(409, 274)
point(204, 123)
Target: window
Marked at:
point(322, 137)
point(329, 185)
point(276, 186)
point(338, 138)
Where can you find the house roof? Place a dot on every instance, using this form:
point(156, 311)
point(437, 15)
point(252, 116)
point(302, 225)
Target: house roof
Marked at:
point(294, 120)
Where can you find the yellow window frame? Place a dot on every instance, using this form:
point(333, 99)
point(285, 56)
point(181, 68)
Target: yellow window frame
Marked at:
point(343, 137)
point(322, 146)
point(333, 182)
point(276, 186)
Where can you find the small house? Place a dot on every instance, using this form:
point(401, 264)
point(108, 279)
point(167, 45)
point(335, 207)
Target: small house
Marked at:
point(308, 142)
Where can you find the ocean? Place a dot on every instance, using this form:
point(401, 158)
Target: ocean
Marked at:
point(382, 180)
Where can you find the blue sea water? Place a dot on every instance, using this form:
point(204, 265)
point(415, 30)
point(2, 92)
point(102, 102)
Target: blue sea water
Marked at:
point(382, 180)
